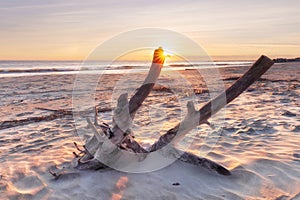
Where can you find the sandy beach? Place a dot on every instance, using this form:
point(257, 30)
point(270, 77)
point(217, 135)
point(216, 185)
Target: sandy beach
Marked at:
point(259, 140)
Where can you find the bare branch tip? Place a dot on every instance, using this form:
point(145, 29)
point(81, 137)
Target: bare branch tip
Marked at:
point(191, 107)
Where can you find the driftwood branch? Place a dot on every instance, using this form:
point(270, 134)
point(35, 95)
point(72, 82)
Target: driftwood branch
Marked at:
point(195, 118)
point(120, 134)
point(98, 147)
point(125, 111)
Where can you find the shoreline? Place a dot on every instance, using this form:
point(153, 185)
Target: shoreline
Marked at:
point(45, 68)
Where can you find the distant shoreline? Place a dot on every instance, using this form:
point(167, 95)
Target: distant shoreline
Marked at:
point(283, 60)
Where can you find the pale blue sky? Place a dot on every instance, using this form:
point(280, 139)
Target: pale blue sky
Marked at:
point(44, 29)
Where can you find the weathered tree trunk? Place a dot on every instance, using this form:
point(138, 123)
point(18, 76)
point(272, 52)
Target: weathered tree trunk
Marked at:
point(100, 148)
point(120, 137)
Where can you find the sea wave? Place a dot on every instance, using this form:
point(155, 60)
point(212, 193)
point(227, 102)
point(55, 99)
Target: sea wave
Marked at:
point(29, 68)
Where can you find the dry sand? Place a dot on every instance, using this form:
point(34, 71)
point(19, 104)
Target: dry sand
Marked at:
point(259, 142)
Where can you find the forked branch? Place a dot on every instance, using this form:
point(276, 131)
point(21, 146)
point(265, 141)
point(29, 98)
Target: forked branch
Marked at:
point(120, 136)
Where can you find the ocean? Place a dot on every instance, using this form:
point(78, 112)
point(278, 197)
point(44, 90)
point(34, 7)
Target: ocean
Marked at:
point(29, 68)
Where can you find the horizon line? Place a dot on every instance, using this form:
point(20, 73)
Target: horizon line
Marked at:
point(226, 58)
point(55, 60)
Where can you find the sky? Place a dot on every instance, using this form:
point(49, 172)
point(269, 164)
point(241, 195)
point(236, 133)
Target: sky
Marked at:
point(226, 30)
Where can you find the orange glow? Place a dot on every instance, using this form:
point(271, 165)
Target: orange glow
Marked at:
point(146, 55)
point(116, 197)
point(120, 186)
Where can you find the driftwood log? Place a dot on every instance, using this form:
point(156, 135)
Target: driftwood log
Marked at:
point(106, 145)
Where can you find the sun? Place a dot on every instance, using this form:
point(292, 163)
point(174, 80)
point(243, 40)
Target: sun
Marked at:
point(160, 55)
point(167, 54)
